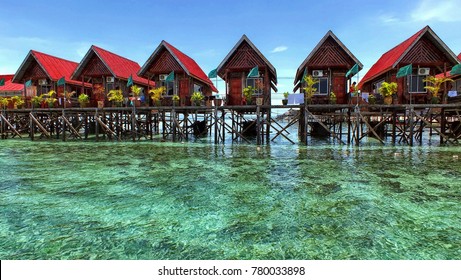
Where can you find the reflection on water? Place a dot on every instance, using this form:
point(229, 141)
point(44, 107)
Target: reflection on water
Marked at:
point(199, 201)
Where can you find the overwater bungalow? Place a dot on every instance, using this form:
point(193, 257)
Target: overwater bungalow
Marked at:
point(246, 66)
point(425, 52)
point(180, 75)
point(105, 71)
point(329, 63)
point(8, 88)
point(39, 73)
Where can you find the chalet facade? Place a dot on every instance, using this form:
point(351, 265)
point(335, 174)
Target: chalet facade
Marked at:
point(187, 76)
point(236, 67)
point(9, 88)
point(103, 69)
point(40, 73)
point(328, 62)
point(427, 54)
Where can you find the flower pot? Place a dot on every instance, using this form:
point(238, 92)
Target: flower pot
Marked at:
point(285, 102)
point(100, 104)
point(175, 103)
point(218, 102)
point(83, 105)
point(388, 100)
point(197, 103)
point(259, 101)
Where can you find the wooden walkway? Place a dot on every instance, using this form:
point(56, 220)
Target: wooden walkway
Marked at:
point(342, 124)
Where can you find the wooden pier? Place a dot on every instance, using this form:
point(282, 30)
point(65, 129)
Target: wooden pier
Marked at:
point(341, 124)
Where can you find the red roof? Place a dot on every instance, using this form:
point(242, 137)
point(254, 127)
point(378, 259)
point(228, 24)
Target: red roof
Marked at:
point(9, 85)
point(56, 67)
point(188, 64)
point(387, 60)
point(121, 67)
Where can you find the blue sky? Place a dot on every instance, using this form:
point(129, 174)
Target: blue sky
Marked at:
point(284, 31)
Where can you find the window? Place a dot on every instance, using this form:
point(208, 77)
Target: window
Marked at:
point(197, 88)
point(256, 83)
point(416, 84)
point(457, 86)
point(377, 86)
point(322, 86)
point(169, 86)
point(43, 89)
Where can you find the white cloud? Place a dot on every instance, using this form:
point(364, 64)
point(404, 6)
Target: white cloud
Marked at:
point(279, 49)
point(388, 19)
point(444, 11)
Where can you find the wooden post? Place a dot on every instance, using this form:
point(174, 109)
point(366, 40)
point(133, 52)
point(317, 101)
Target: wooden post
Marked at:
point(349, 125)
point(96, 124)
point(443, 124)
point(87, 130)
point(64, 125)
point(411, 125)
point(133, 123)
point(31, 127)
point(258, 125)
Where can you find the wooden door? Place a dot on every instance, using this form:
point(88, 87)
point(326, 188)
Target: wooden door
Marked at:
point(184, 92)
point(339, 88)
point(235, 91)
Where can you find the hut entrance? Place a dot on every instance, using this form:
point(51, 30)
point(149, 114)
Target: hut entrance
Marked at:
point(235, 94)
point(339, 88)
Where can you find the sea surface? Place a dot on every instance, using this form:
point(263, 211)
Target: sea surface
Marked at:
point(149, 200)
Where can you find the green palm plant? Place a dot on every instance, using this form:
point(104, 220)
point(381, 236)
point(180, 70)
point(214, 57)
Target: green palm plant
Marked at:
point(310, 89)
point(116, 96)
point(434, 87)
point(196, 98)
point(248, 93)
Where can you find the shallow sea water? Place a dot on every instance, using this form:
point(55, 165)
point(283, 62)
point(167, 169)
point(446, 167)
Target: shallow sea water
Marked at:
point(148, 200)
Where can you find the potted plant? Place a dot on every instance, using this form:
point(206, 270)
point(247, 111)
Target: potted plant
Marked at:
point(156, 94)
point(434, 87)
point(136, 93)
point(196, 98)
point(84, 100)
point(98, 93)
point(332, 98)
point(310, 89)
point(285, 98)
point(116, 97)
point(372, 99)
point(217, 100)
point(4, 102)
point(175, 100)
point(18, 101)
point(248, 94)
point(50, 99)
point(67, 97)
point(388, 90)
point(36, 101)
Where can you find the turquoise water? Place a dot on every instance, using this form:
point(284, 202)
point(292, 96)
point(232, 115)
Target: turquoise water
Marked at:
point(199, 201)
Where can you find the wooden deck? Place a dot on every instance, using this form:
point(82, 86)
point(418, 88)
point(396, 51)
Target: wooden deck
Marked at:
point(341, 124)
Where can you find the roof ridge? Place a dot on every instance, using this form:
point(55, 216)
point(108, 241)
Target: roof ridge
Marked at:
point(49, 55)
point(411, 38)
point(170, 45)
point(114, 54)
